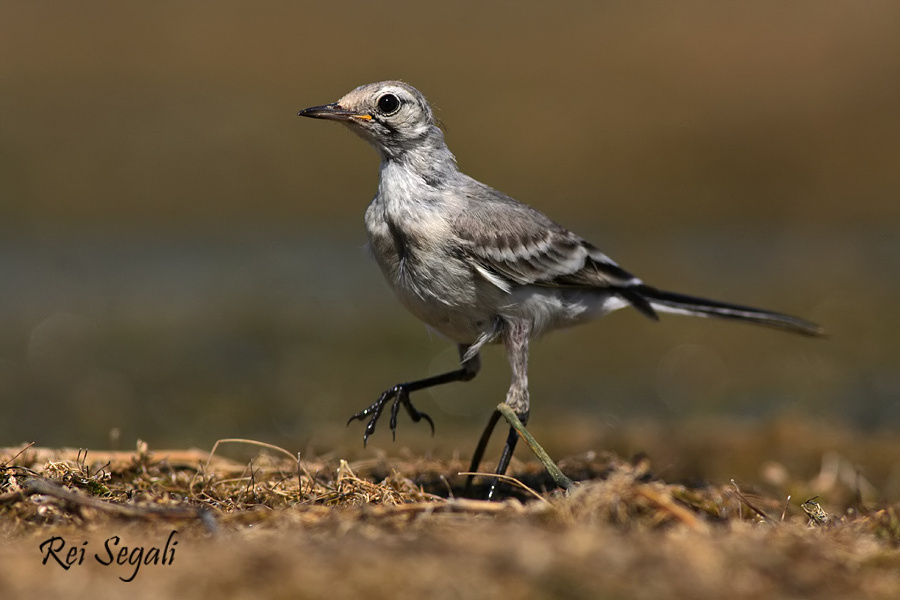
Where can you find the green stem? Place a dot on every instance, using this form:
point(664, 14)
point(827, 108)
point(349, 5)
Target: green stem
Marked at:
point(558, 477)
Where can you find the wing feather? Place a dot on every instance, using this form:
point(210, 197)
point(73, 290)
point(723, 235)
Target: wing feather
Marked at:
point(514, 244)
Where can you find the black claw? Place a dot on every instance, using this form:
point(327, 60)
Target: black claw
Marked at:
point(400, 396)
point(375, 409)
point(417, 415)
point(430, 423)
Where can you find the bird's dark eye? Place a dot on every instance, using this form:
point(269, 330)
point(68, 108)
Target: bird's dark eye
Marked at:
point(388, 104)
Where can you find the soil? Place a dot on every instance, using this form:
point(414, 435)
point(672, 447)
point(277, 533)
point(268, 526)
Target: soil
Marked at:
point(196, 524)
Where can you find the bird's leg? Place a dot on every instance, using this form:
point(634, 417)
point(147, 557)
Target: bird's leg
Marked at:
point(511, 439)
point(400, 395)
point(479, 450)
point(502, 410)
point(515, 337)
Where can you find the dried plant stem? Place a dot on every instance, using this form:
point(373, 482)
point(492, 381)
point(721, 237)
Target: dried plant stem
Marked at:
point(249, 443)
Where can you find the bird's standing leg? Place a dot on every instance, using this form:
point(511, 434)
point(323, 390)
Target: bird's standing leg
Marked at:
point(400, 395)
point(479, 450)
point(515, 337)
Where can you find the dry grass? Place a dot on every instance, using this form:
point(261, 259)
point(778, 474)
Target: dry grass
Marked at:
point(274, 527)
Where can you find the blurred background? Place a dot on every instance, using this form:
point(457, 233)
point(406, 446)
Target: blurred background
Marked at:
point(181, 257)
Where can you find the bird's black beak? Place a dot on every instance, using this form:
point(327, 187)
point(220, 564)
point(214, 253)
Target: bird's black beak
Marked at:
point(333, 111)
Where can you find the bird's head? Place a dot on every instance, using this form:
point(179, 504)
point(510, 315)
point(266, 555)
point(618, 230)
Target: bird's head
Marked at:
point(391, 115)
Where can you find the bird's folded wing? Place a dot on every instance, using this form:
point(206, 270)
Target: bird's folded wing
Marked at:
point(513, 244)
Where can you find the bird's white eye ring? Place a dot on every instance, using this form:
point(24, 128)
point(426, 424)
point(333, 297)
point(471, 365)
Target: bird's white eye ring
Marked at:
point(388, 104)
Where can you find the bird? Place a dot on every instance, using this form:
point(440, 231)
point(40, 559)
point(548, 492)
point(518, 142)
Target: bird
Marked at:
point(479, 267)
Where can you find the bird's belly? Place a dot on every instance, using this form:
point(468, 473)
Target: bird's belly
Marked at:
point(542, 309)
point(460, 323)
point(433, 284)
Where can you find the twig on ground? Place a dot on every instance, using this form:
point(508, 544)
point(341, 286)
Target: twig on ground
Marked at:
point(558, 476)
point(248, 442)
point(505, 478)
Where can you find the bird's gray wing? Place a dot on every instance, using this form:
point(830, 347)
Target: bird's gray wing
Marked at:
point(511, 244)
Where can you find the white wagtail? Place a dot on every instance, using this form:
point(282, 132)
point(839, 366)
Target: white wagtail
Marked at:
point(479, 267)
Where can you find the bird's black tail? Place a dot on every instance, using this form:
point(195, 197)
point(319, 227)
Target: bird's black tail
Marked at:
point(671, 302)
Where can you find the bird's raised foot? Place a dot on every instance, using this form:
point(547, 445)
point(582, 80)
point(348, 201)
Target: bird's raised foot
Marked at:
point(400, 396)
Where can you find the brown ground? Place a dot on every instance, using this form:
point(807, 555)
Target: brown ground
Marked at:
point(271, 527)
